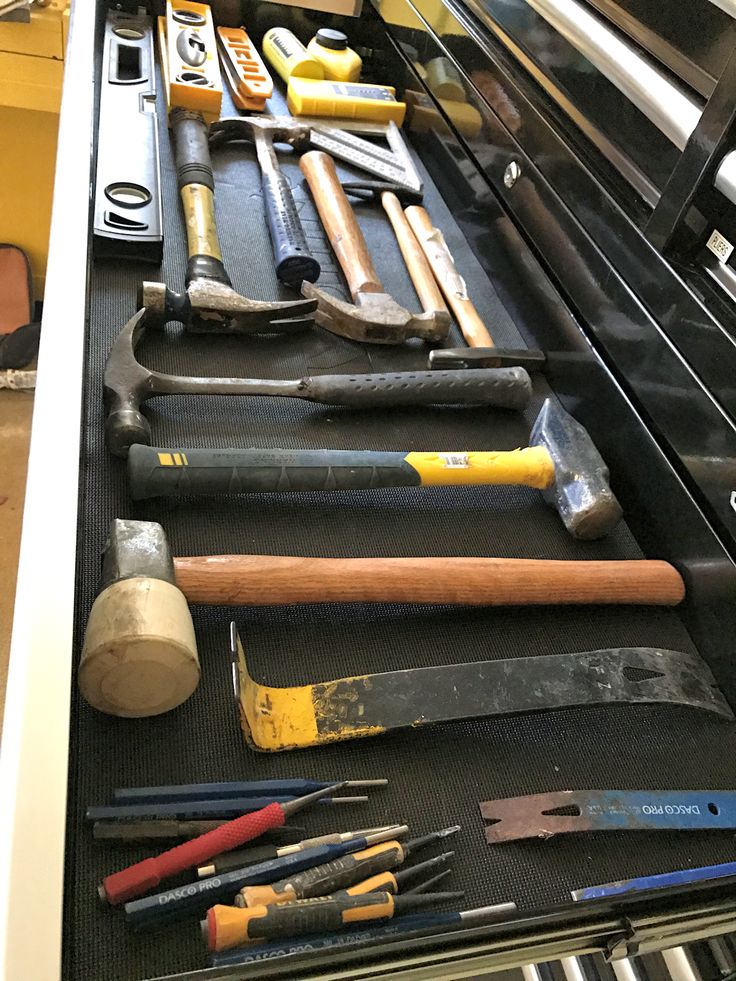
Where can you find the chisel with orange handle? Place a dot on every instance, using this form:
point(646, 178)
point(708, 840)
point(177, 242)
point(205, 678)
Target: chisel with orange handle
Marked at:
point(323, 880)
point(228, 926)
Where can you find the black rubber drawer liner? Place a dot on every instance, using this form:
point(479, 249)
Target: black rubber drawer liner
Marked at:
point(437, 775)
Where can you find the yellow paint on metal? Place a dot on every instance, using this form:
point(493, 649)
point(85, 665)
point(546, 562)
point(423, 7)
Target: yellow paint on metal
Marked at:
point(274, 719)
point(529, 467)
point(199, 215)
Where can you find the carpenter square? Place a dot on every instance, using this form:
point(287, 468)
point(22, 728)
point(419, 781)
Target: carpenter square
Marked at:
point(562, 462)
point(568, 811)
point(128, 384)
point(275, 719)
point(394, 164)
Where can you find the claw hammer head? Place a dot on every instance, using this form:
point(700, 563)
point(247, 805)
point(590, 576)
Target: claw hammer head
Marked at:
point(580, 491)
point(274, 129)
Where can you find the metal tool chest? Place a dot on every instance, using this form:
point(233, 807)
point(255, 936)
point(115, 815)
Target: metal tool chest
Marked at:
point(553, 226)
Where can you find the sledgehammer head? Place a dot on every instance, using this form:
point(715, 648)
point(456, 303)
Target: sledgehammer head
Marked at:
point(580, 491)
point(140, 655)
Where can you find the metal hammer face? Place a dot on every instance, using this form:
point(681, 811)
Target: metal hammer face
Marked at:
point(580, 493)
point(375, 318)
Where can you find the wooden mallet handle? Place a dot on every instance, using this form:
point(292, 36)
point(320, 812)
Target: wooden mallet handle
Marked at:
point(265, 580)
point(440, 259)
point(340, 223)
point(421, 275)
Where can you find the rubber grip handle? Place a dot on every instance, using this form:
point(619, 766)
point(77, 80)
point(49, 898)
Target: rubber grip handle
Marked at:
point(294, 261)
point(139, 878)
point(274, 580)
point(503, 388)
point(340, 223)
point(191, 149)
point(323, 880)
point(159, 472)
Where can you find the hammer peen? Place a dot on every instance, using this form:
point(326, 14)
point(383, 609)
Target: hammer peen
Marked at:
point(374, 316)
point(140, 657)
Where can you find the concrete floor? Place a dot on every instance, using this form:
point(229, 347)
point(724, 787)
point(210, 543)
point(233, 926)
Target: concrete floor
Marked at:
point(16, 409)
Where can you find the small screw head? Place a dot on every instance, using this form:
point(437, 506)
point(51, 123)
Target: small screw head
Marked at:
point(511, 174)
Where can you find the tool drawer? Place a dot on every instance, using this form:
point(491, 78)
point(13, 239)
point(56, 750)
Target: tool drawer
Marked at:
point(60, 755)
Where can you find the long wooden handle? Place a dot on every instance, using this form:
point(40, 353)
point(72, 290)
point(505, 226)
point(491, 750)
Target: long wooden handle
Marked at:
point(340, 223)
point(416, 262)
point(281, 580)
point(439, 257)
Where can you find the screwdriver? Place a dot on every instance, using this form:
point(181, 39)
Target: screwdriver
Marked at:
point(196, 897)
point(139, 878)
point(227, 807)
point(228, 926)
point(154, 830)
point(261, 853)
point(238, 788)
point(402, 928)
point(383, 882)
point(340, 873)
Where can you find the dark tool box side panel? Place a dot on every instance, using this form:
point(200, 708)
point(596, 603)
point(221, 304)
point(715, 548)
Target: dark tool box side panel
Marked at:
point(438, 775)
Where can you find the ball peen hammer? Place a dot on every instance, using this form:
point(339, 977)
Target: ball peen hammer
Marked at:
point(374, 316)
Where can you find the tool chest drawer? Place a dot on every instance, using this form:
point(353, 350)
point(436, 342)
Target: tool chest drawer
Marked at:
point(62, 756)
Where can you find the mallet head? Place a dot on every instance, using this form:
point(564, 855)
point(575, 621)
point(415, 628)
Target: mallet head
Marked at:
point(140, 655)
point(376, 318)
point(580, 492)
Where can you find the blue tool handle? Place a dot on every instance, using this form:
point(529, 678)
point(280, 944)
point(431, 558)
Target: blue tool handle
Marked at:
point(294, 261)
point(406, 927)
point(201, 791)
point(155, 471)
point(195, 897)
point(661, 881)
point(189, 809)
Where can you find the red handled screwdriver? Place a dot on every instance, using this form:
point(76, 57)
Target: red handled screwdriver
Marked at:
point(140, 878)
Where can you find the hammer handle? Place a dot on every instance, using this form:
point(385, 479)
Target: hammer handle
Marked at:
point(340, 223)
point(439, 257)
point(282, 580)
point(175, 472)
point(415, 260)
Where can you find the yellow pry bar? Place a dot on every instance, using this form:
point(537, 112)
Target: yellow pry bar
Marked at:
point(194, 87)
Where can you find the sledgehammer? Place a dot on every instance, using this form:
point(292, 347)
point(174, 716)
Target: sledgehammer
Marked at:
point(140, 656)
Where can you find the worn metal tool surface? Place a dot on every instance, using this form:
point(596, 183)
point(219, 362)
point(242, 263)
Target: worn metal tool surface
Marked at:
point(561, 460)
point(374, 316)
point(209, 303)
point(128, 383)
point(294, 262)
point(275, 719)
point(567, 811)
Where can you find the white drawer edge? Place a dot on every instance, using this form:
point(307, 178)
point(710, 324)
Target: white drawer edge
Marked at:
point(35, 736)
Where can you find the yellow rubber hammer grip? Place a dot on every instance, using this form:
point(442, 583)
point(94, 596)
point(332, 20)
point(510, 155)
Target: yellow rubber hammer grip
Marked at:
point(530, 467)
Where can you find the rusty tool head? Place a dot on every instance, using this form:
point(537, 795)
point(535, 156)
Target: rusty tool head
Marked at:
point(580, 492)
point(375, 318)
point(211, 307)
point(251, 129)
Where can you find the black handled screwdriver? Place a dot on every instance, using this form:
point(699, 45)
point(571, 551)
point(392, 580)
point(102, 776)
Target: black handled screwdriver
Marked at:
point(228, 926)
point(243, 857)
point(390, 881)
point(341, 873)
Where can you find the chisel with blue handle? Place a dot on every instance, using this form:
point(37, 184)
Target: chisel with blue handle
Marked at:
point(231, 788)
point(681, 877)
point(405, 928)
point(227, 807)
point(196, 897)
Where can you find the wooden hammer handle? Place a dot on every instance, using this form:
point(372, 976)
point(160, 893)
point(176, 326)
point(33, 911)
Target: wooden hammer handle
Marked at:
point(439, 257)
point(265, 580)
point(421, 275)
point(340, 223)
